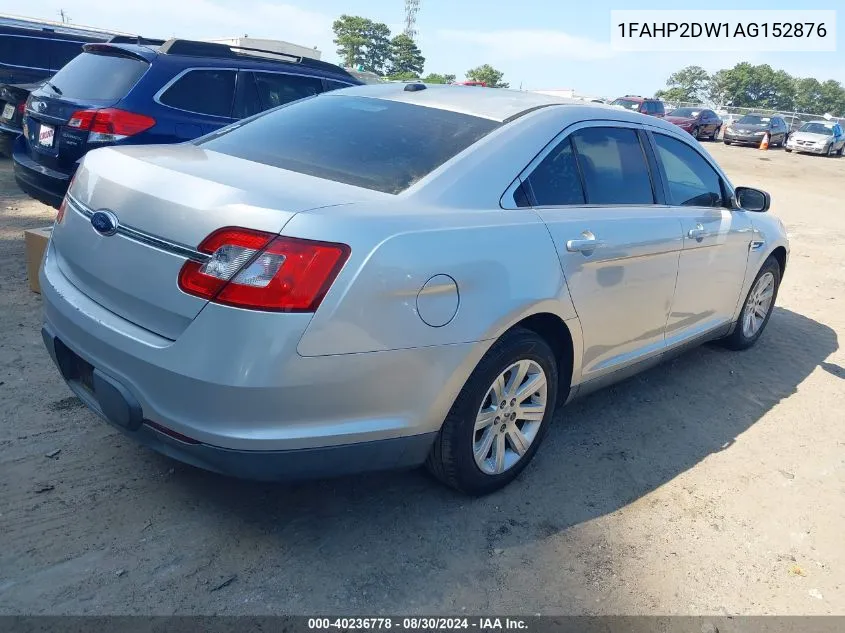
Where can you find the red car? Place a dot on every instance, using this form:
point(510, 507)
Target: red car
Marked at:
point(470, 83)
point(700, 122)
point(635, 103)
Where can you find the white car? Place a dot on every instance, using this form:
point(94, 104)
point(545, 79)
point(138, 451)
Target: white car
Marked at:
point(818, 137)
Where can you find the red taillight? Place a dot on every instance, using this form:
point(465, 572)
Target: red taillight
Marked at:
point(110, 122)
point(262, 271)
point(22, 107)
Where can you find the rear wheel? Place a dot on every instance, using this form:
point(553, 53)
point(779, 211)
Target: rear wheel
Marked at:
point(500, 417)
point(758, 307)
point(727, 142)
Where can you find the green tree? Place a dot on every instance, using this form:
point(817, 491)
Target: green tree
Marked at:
point(351, 38)
point(688, 84)
point(406, 76)
point(378, 47)
point(489, 75)
point(405, 56)
point(747, 85)
point(808, 95)
point(832, 98)
point(362, 41)
point(434, 78)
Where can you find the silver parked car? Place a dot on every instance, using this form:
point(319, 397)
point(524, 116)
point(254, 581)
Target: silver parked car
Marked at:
point(818, 137)
point(390, 275)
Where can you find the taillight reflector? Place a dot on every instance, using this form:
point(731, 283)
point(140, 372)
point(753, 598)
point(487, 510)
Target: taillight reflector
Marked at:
point(262, 271)
point(22, 107)
point(111, 122)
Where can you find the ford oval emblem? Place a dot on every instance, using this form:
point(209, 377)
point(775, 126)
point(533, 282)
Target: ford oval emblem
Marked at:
point(104, 222)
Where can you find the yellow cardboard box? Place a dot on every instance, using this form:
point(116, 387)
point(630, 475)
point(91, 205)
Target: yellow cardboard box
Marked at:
point(36, 243)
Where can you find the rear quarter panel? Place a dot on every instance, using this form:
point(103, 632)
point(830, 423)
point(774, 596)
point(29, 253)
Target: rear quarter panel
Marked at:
point(503, 263)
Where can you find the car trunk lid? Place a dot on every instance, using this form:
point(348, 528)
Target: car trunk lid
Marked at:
point(167, 200)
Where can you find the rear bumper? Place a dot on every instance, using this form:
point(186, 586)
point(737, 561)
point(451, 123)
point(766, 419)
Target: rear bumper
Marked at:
point(239, 400)
point(37, 181)
point(114, 402)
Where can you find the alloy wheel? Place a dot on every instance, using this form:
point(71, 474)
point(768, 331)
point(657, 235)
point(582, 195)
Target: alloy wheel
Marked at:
point(510, 417)
point(758, 305)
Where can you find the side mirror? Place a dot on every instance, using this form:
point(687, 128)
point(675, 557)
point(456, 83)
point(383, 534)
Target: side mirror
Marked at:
point(750, 199)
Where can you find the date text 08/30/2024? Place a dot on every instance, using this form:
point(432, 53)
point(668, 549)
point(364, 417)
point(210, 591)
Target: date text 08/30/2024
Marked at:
point(418, 623)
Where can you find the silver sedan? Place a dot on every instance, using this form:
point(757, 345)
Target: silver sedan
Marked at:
point(392, 275)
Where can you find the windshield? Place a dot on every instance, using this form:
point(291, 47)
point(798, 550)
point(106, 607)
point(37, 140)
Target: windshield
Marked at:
point(627, 103)
point(754, 119)
point(97, 77)
point(689, 113)
point(372, 143)
point(817, 128)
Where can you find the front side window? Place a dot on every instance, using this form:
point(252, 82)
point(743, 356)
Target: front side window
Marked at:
point(202, 91)
point(556, 181)
point(613, 165)
point(692, 181)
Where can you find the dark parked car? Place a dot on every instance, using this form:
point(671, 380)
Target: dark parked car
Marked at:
point(131, 94)
point(700, 122)
point(31, 50)
point(644, 105)
point(751, 129)
point(12, 104)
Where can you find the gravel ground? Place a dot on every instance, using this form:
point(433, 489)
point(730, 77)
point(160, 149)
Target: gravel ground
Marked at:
point(714, 484)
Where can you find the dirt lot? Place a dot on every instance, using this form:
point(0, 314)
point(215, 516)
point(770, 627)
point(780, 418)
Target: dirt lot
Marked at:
point(714, 484)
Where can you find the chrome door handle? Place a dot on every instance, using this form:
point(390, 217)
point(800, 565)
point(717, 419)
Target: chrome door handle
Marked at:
point(698, 233)
point(583, 245)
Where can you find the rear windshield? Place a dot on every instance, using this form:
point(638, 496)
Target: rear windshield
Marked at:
point(372, 143)
point(98, 77)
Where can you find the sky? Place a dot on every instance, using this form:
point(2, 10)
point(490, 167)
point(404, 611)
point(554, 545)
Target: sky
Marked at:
point(538, 44)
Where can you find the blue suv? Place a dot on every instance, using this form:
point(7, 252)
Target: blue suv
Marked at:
point(120, 93)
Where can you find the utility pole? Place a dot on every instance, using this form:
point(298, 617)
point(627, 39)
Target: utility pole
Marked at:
point(65, 17)
point(412, 7)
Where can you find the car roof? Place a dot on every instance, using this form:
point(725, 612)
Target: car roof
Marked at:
point(497, 104)
point(149, 52)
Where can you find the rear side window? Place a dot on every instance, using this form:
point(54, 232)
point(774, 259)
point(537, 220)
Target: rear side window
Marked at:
point(692, 181)
point(97, 77)
point(372, 143)
point(555, 181)
point(275, 89)
point(614, 166)
point(28, 52)
point(61, 52)
point(202, 91)
point(657, 107)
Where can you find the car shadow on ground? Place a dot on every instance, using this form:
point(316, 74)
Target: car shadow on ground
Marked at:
point(602, 453)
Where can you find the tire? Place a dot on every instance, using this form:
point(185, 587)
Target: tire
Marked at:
point(830, 152)
point(727, 142)
point(452, 458)
point(696, 133)
point(787, 150)
point(740, 338)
